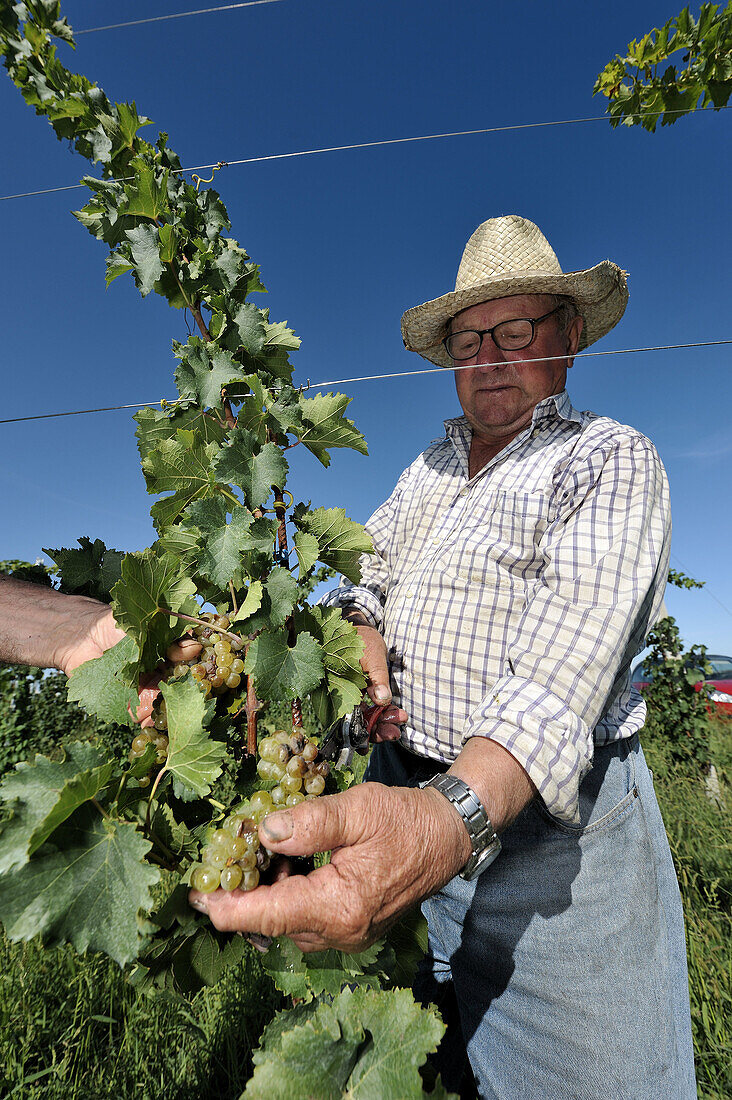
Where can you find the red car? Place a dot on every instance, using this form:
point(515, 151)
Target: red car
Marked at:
point(719, 681)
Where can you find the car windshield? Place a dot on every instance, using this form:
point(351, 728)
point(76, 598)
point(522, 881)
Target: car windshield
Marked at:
point(721, 667)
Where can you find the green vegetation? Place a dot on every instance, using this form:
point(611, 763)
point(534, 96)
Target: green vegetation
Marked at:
point(639, 93)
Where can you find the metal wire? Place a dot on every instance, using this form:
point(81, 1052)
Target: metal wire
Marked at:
point(364, 145)
point(308, 385)
point(178, 15)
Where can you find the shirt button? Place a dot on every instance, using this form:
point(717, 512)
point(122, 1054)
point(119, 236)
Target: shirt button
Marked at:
point(409, 595)
point(436, 542)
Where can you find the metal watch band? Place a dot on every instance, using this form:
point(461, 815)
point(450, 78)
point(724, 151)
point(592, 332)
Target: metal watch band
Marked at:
point(483, 837)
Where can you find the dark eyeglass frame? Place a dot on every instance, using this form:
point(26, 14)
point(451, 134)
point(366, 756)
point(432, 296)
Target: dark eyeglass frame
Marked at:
point(533, 321)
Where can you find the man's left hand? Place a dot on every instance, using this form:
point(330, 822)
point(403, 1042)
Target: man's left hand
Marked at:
point(391, 847)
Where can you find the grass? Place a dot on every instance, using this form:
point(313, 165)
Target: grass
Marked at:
point(700, 835)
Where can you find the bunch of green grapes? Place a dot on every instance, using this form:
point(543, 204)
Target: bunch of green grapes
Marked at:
point(233, 857)
point(217, 669)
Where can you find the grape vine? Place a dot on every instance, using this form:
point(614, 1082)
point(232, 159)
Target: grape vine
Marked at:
point(100, 852)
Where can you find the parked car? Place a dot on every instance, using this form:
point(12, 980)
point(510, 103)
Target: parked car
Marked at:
point(719, 681)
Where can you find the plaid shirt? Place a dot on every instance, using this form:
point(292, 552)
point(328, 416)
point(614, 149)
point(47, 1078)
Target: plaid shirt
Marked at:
point(513, 602)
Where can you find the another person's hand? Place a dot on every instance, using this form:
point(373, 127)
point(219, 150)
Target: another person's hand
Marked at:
point(183, 650)
point(392, 847)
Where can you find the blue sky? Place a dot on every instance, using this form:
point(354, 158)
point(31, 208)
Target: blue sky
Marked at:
point(347, 241)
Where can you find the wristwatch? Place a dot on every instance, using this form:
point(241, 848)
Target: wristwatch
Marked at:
point(483, 836)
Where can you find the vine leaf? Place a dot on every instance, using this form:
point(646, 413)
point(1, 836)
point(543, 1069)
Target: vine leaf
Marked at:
point(364, 1044)
point(182, 464)
point(147, 196)
point(44, 794)
point(193, 757)
point(87, 888)
point(325, 426)
point(103, 688)
point(204, 371)
point(305, 976)
point(342, 649)
point(154, 425)
point(281, 671)
point(255, 470)
point(221, 544)
point(149, 582)
point(146, 256)
point(341, 541)
point(278, 597)
point(90, 570)
point(252, 601)
point(306, 548)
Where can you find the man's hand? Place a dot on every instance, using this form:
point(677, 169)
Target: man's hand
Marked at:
point(183, 650)
point(375, 665)
point(392, 847)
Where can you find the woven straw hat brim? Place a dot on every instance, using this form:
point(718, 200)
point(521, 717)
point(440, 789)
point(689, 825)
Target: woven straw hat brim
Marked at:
point(600, 294)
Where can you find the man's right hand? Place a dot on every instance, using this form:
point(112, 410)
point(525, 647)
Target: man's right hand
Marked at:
point(375, 664)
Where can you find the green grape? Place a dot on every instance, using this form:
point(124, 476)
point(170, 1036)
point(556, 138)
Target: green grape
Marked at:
point(294, 798)
point(264, 770)
point(238, 847)
point(206, 879)
point(296, 766)
point(140, 743)
point(220, 836)
point(309, 752)
point(268, 749)
point(278, 795)
point(214, 856)
point(250, 880)
point(231, 877)
point(248, 861)
point(237, 666)
point(314, 784)
point(290, 783)
point(260, 802)
point(233, 681)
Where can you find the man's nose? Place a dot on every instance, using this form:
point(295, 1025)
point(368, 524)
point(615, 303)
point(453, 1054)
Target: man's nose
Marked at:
point(489, 354)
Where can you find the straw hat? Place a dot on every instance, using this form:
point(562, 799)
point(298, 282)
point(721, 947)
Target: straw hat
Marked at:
point(507, 256)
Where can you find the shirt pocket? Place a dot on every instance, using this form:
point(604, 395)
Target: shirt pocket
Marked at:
point(498, 544)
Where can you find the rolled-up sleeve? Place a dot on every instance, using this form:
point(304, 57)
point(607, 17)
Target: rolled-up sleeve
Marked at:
point(605, 556)
point(370, 595)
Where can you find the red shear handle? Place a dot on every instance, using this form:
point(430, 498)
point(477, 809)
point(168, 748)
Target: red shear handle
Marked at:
point(383, 722)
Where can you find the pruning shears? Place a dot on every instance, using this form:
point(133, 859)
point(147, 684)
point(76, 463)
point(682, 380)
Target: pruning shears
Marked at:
point(352, 735)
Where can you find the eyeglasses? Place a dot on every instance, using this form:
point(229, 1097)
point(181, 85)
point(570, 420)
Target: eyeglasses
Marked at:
point(510, 335)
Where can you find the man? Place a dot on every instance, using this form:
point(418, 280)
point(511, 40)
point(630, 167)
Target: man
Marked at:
point(517, 567)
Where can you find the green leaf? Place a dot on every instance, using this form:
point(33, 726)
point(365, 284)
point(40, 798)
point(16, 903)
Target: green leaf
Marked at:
point(249, 322)
point(168, 242)
point(252, 601)
point(151, 581)
point(365, 1044)
point(189, 961)
point(279, 596)
point(101, 686)
point(306, 975)
point(146, 254)
point(147, 196)
point(221, 544)
point(193, 757)
point(255, 473)
point(341, 541)
point(325, 426)
point(282, 672)
point(88, 888)
point(116, 265)
point(156, 425)
point(92, 570)
point(184, 465)
point(306, 548)
point(44, 794)
point(204, 371)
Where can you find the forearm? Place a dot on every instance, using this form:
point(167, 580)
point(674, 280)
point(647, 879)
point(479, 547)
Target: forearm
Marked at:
point(497, 778)
point(39, 626)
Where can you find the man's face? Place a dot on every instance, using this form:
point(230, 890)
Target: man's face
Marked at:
point(497, 393)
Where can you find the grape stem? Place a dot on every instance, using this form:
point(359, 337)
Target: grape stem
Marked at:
point(233, 597)
point(155, 785)
point(101, 809)
point(201, 622)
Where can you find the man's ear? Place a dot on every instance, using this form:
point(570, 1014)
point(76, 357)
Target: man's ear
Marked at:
point(574, 331)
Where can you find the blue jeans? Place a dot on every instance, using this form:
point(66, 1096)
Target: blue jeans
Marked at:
point(566, 959)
